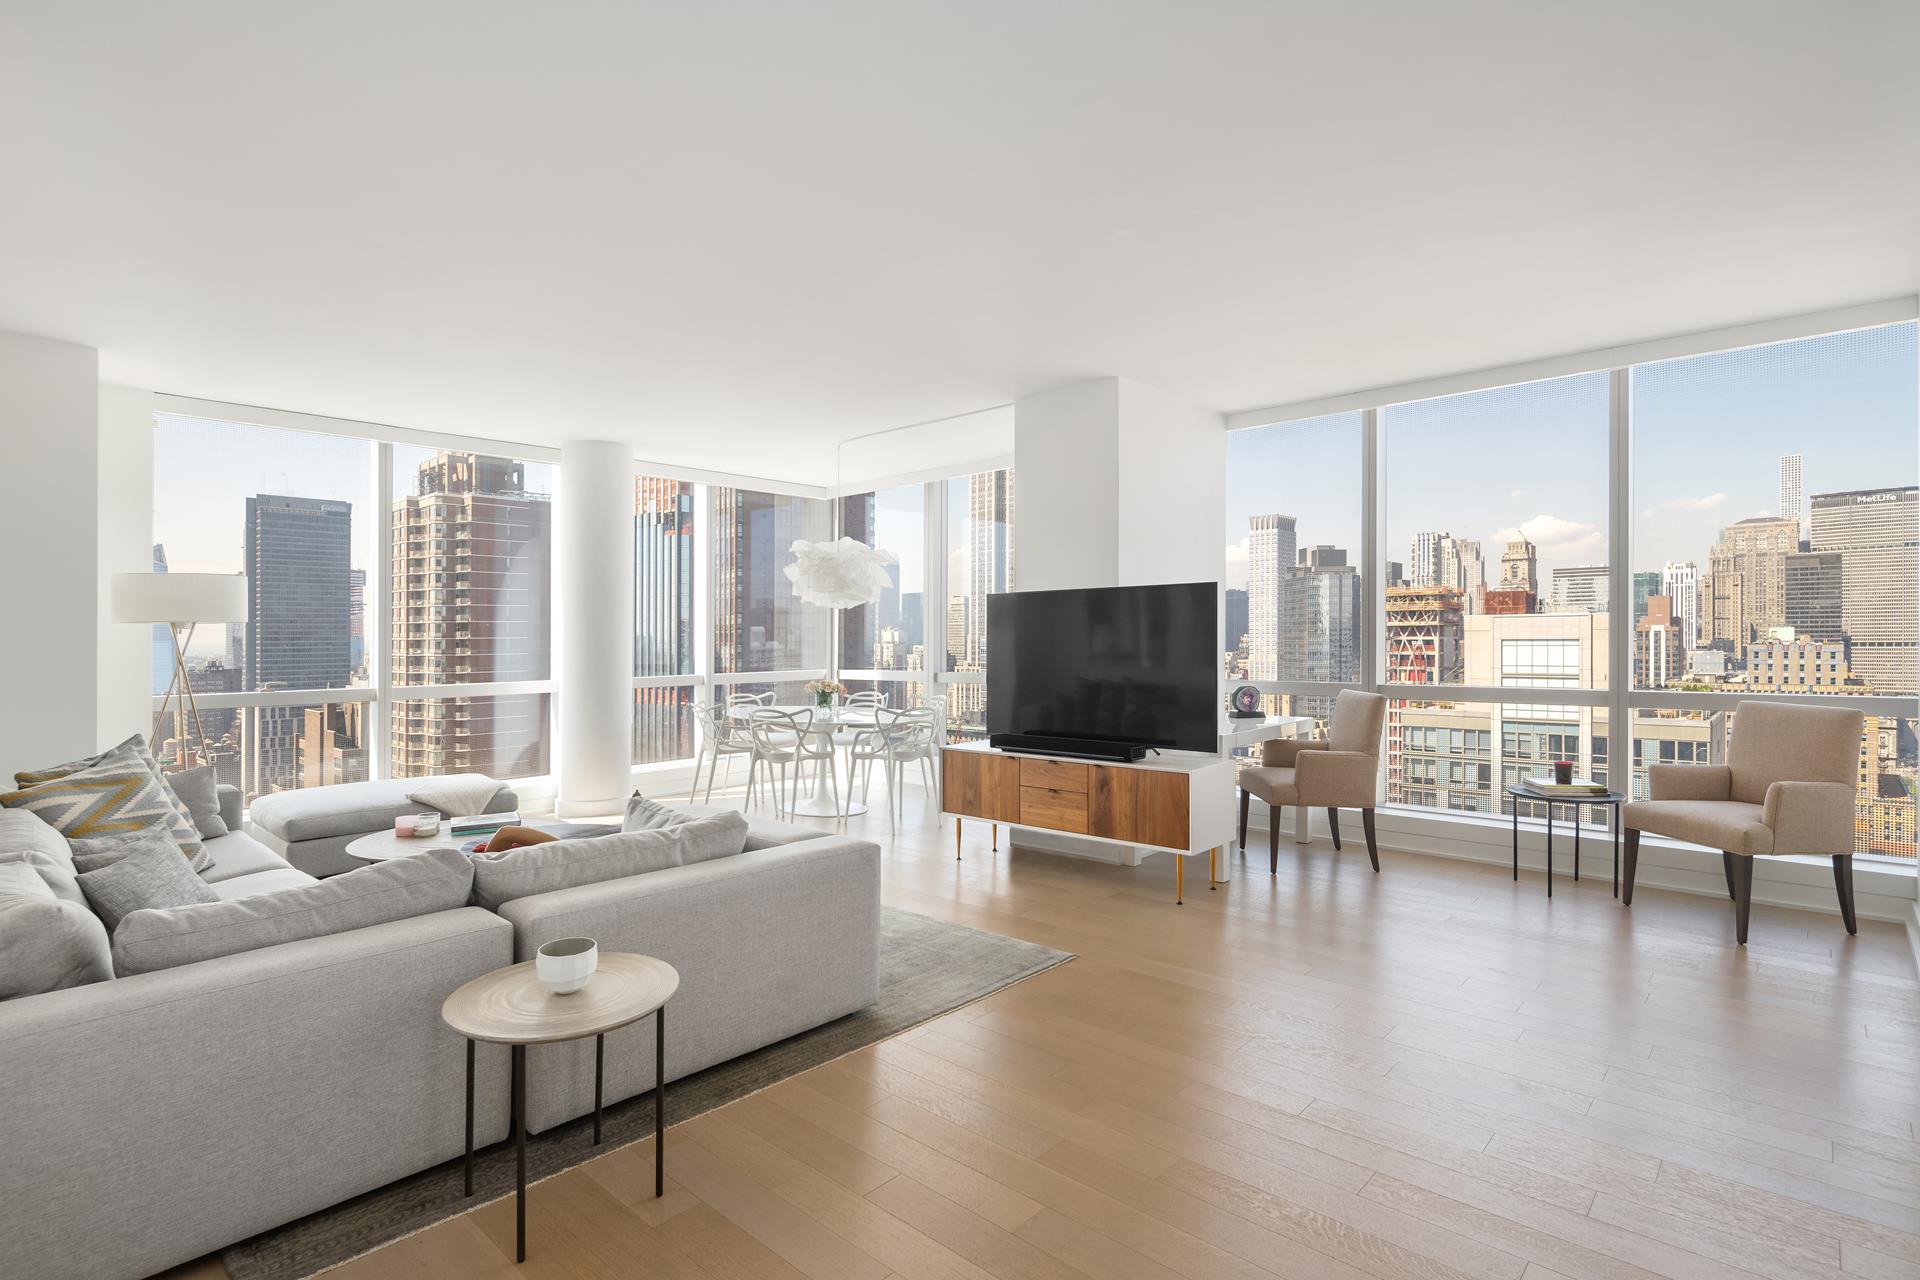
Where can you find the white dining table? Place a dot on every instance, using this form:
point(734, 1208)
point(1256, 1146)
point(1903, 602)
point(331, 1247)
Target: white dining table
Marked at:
point(827, 721)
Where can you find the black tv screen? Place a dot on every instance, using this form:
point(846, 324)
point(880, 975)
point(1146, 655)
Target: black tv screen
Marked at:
point(1122, 664)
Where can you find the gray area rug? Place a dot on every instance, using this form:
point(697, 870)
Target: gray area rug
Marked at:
point(927, 967)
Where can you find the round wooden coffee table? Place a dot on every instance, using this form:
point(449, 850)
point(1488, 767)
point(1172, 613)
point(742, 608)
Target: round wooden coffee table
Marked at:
point(510, 1007)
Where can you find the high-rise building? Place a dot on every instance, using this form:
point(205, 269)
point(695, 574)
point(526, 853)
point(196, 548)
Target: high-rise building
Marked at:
point(1814, 593)
point(1799, 665)
point(1792, 493)
point(1396, 574)
point(1236, 618)
point(333, 744)
point(1423, 630)
point(956, 632)
point(1877, 533)
point(1520, 567)
point(1659, 645)
point(1442, 560)
point(1320, 611)
point(760, 623)
point(1423, 559)
point(472, 552)
point(1581, 588)
point(663, 615)
point(1645, 586)
point(297, 554)
point(1745, 592)
point(1680, 583)
point(990, 569)
point(1270, 556)
point(357, 620)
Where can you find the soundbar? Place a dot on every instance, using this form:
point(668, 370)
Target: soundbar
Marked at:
point(1052, 744)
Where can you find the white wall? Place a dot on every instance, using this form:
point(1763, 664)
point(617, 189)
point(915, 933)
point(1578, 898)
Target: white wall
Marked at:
point(49, 536)
point(1172, 488)
point(125, 492)
point(1066, 460)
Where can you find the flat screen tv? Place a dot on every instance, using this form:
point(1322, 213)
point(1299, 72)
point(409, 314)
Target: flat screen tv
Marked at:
point(1136, 665)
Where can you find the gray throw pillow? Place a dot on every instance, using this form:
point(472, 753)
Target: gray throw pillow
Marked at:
point(399, 889)
point(104, 851)
point(46, 944)
point(154, 877)
point(650, 815)
point(196, 790)
point(134, 748)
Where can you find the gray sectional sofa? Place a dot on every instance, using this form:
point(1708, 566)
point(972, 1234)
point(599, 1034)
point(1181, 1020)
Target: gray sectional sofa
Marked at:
point(216, 1099)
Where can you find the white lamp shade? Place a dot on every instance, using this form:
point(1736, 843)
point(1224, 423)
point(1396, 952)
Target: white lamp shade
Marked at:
point(179, 597)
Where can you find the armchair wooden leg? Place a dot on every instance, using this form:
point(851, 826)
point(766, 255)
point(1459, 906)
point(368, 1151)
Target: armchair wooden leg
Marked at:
point(1742, 897)
point(1333, 825)
point(1843, 885)
point(1726, 860)
point(1628, 865)
point(1245, 799)
point(1273, 840)
point(1373, 846)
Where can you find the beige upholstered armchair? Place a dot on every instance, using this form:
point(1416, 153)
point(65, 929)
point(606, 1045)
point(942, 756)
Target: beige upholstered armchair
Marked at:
point(1787, 787)
point(1340, 771)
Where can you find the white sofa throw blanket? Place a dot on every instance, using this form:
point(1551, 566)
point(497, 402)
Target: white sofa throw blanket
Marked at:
point(462, 793)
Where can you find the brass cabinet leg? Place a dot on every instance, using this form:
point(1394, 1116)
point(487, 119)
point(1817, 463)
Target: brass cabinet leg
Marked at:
point(1179, 872)
point(1213, 869)
point(996, 837)
point(956, 839)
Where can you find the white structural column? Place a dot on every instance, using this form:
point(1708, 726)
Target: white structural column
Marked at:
point(595, 675)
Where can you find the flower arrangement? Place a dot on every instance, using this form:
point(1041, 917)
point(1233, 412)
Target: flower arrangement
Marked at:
point(825, 691)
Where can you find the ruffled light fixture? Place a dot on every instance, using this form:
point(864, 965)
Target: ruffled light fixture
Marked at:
point(839, 575)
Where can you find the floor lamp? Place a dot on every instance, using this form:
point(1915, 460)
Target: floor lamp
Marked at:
point(180, 602)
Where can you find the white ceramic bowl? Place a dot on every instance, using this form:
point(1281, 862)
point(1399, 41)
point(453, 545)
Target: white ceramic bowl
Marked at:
point(564, 965)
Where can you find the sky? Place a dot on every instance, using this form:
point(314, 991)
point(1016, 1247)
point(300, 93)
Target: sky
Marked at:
point(1708, 433)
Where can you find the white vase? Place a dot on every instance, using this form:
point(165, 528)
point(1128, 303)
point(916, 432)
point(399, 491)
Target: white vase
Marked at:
point(564, 965)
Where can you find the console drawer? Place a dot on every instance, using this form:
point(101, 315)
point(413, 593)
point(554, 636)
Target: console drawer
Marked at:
point(1055, 775)
point(1052, 809)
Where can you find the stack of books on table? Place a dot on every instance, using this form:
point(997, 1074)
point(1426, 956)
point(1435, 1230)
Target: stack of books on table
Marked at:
point(1542, 784)
point(481, 824)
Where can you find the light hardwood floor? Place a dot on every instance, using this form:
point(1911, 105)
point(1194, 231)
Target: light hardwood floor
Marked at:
point(1429, 1073)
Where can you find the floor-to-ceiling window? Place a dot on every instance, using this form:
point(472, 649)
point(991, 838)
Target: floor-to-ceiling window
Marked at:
point(1646, 544)
point(664, 643)
point(470, 574)
point(762, 630)
point(979, 564)
point(883, 645)
point(295, 512)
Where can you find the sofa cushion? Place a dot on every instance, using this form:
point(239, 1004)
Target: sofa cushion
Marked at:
point(154, 877)
point(198, 791)
point(259, 882)
point(1728, 825)
point(46, 943)
point(133, 749)
point(350, 809)
point(762, 832)
point(565, 864)
point(25, 838)
point(239, 854)
point(436, 880)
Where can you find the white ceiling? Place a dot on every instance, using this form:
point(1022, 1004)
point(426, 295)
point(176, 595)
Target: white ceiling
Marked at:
point(737, 233)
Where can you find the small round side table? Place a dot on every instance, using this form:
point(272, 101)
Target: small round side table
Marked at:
point(510, 1007)
point(1607, 800)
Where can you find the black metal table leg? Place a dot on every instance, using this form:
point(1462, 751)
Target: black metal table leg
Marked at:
point(469, 1168)
point(1616, 850)
point(599, 1065)
point(1549, 848)
point(660, 1101)
point(1514, 804)
point(520, 1153)
point(1577, 811)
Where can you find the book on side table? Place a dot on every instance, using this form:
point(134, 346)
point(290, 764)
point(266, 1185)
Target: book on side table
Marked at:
point(1544, 785)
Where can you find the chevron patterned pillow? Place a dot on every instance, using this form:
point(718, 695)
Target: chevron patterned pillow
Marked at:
point(136, 748)
point(109, 798)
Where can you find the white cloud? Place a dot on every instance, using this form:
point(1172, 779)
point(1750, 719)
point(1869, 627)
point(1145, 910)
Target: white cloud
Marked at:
point(1235, 572)
point(1560, 539)
point(1705, 502)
